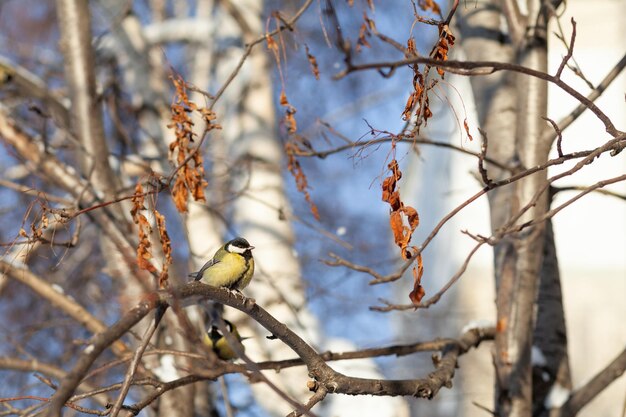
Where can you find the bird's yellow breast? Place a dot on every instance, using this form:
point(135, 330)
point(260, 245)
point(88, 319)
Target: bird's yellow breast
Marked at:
point(232, 271)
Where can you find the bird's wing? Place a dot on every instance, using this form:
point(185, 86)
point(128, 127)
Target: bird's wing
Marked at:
point(197, 276)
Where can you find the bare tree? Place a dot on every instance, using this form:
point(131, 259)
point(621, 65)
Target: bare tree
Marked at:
point(158, 124)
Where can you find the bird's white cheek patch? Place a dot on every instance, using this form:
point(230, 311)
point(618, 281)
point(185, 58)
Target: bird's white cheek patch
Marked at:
point(236, 249)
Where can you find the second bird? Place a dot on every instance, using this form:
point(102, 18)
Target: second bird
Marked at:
point(231, 267)
point(215, 340)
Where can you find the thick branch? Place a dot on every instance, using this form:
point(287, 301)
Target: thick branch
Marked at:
point(327, 379)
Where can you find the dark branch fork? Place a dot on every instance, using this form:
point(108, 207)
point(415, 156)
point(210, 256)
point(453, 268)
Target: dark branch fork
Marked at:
point(327, 381)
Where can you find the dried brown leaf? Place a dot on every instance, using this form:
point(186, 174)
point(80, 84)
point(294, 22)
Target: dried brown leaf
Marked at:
point(166, 246)
point(365, 32)
point(189, 177)
point(403, 220)
point(313, 62)
point(411, 48)
point(441, 49)
point(431, 5)
point(418, 291)
point(291, 149)
point(467, 130)
point(412, 217)
point(271, 44)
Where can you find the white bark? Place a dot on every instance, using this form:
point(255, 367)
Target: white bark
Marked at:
point(249, 121)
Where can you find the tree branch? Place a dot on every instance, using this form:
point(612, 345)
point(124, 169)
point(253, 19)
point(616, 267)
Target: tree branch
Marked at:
point(59, 300)
point(595, 94)
point(583, 395)
point(327, 379)
point(485, 68)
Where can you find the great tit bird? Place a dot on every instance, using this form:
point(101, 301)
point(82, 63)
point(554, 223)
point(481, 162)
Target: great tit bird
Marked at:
point(231, 267)
point(215, 340)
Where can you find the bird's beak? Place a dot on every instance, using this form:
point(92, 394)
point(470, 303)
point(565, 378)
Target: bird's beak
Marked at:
point(251, 247)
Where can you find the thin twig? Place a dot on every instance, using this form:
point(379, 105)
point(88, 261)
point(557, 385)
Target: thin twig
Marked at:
point(398, 139)
point(482, 407)
point(228, 407)
point(435, 298)
point(319, 395)
point(481, 158)
point(134, 363)
point(561, 36)
point(378, 278)
point(249, 48)
point(451, 13)
point(554, 211)
point(583, 395)
point(559, 149)
point(613, 145)
point(570, 50)
point(556, 190)
point(597, 92)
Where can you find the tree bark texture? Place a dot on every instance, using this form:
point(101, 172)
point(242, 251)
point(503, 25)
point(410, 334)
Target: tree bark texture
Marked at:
point(510, 109)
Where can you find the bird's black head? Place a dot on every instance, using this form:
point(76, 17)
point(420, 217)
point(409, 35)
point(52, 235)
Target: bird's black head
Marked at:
point(215, 333)
point(239, 245)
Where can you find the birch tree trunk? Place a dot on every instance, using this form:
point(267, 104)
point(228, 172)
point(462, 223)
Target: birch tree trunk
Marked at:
point(261, 213)
point(511, 107)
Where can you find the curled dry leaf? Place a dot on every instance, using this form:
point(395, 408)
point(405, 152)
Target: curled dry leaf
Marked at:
point(441, 49)
point(313, 62)
point(189, 176)
point(467, 130)
point(144, 255)
point(44, 219)
point(427, 5)
point(290, 120)
point(291, 147)
point(403, 221)
point(411, 50)
point(302, 184)
point(418, 291)
point(418, 99)
point(166, 246)
point(364, 33)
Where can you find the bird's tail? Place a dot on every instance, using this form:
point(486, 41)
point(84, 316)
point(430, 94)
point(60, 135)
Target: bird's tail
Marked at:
point(214, 311)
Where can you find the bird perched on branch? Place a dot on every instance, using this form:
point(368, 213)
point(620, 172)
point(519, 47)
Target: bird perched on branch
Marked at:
point(216, 341)
point(231, 267)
